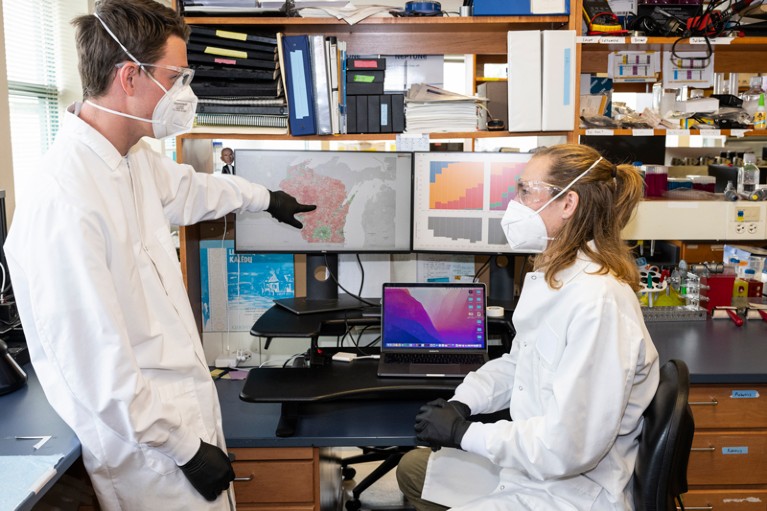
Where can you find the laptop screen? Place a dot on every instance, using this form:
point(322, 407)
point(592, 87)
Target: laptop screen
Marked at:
point(433, 316)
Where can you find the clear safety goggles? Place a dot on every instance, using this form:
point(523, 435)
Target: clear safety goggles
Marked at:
point(180, 76)
point(531, 193)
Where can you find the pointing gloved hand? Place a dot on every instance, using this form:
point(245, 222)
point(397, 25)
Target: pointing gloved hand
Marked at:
point(209, 471)
point(442, 423)
point(283, 208)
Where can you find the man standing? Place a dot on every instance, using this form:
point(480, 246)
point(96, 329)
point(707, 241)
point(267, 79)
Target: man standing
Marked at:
point(110, 329)
point(227, 156)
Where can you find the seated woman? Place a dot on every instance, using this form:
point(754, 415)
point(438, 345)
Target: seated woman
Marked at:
point(581, 370)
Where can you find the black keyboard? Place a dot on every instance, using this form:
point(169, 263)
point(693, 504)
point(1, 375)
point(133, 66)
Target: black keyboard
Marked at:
point(434, 358)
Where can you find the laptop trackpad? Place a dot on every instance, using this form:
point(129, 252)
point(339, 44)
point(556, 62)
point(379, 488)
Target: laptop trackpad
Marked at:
point(435, 369)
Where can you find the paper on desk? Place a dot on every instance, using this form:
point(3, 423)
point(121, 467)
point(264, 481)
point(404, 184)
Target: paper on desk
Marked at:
point(22, 476)
point(349, 13)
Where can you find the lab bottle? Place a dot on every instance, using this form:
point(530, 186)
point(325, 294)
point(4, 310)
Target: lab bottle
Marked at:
point(729, 192)
point(748, 175)
point(760, 116)
point(751, 96)
point(656, 180)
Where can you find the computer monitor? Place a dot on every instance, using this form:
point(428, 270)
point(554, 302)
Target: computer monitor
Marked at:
point(7, 291)
point(364, 203)
point(459, 200)
point(724, 173)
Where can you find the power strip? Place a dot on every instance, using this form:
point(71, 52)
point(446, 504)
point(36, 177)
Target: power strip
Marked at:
point(225, 361)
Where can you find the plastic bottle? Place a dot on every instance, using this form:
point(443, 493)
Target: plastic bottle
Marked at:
point(748, 175)
point(760, 116)
point(729, 192)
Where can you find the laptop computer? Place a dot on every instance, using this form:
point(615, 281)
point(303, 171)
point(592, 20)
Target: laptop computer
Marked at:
point(432, 329)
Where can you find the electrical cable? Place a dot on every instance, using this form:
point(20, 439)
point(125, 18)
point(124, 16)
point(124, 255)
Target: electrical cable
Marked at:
point(343, 288)
point(482, 269)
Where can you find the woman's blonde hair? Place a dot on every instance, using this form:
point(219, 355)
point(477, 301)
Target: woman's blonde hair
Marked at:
point(608, 196)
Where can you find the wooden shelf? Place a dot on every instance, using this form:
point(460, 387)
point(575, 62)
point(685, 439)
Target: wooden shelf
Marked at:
point(403, 36)
point(713, 132)
point(240, 134)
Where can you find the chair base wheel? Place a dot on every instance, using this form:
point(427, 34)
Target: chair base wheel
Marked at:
point(348, 473)
point(353, 505)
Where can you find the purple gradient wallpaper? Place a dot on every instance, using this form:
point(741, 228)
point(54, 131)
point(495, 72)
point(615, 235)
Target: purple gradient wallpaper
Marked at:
point(435, 317)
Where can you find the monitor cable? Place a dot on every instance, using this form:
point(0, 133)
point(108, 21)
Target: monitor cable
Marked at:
point(358, 297)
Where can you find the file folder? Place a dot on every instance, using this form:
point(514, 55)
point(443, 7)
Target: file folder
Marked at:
point(232, 35)
point(374, 114)
point(558, 91)
point(524, 53)
point(298, 80)
point(233, 53)
point(233, 45)
point(217, 60)
point(321, 84)
point(386, 114)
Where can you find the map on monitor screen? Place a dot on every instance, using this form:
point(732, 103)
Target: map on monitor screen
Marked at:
point(363, 199)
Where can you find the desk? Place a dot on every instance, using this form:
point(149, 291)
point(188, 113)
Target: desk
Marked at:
point(280, 322)
point(26, 412)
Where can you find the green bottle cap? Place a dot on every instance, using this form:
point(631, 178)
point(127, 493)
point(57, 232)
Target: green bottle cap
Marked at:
point(761, 99)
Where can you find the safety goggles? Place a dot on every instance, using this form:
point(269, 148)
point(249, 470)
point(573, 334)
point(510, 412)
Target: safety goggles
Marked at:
point(181, 76)
point(534, 192)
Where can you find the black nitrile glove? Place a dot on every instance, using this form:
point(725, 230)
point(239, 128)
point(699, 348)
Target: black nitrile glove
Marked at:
point(442, 423)
point(209, 471)
point(283, 208)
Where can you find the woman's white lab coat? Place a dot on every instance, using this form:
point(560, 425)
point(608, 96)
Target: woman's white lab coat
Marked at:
point(106, 315)
point(581, 371)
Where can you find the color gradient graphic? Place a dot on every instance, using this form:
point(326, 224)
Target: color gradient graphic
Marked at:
point(456, 185)
point(503, 183)
point(434, 317)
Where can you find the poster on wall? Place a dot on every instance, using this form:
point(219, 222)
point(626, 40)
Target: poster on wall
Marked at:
point(237, 289)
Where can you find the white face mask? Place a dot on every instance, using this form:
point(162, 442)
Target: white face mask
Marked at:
point(174, 113)
point(524, 227)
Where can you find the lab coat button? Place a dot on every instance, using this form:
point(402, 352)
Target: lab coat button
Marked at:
point(521, 388)
point(502, 487)
point(533, 277)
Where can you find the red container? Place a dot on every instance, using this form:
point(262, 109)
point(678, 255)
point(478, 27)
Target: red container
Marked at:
point(755, 288)
point(719, 291)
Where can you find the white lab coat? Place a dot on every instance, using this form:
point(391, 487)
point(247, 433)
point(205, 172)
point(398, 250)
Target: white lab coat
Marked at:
point(105, 312)
point(581, 371)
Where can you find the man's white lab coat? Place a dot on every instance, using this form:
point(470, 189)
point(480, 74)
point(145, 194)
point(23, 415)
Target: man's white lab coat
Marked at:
point(581, 371)
point(106, 315)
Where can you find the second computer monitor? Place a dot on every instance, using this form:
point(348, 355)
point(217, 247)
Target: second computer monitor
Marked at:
point(460, 198)
point(363, 199)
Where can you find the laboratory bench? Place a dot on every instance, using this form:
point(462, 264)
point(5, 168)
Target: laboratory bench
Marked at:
point(728, 465)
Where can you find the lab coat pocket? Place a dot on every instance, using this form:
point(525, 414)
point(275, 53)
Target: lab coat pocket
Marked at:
point(165, 240)
point(549, 347)
point(180, 400)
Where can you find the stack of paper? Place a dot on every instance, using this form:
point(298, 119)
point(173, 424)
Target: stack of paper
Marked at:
point(429, 109)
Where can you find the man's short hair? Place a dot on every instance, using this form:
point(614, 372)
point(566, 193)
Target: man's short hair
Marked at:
point(142, 26)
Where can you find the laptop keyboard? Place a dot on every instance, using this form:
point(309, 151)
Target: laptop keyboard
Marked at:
point(433, 358)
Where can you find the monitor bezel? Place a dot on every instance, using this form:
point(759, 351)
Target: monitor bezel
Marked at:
point(331, 251)
point(466, 156)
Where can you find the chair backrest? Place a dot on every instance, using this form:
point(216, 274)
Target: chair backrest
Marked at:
point(660, 474)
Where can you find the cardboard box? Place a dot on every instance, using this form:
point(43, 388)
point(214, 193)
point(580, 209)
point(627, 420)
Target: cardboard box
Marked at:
point(699, 252)
point(497, 94)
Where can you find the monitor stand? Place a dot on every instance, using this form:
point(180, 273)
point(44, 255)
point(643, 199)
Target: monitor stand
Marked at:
point(321, 290)
point(501, 292)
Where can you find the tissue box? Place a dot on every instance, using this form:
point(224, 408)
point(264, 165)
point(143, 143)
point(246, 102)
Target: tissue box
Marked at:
point(697, 105)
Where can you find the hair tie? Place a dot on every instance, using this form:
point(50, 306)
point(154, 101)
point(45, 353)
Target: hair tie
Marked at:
point(615, 172)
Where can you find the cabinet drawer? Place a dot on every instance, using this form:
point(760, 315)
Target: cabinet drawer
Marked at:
point(728, 458)
point(275, 481)
point(729, 406)
point(725, 500)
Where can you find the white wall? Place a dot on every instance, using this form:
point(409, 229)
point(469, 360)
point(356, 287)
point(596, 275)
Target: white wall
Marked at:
point(6, 160)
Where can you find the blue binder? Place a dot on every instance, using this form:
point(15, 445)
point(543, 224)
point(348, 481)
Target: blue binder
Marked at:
point(298, 82)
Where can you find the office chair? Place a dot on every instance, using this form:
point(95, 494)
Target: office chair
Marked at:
point(660, 474)
point(390, 457)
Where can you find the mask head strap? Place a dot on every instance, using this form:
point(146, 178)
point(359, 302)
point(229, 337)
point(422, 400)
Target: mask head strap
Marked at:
point(129, 54)
point(564, 190)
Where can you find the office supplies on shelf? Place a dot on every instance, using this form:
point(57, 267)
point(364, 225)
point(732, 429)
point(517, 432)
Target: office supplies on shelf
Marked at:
point(228, 34)
point(432, 329)
point(298, 78)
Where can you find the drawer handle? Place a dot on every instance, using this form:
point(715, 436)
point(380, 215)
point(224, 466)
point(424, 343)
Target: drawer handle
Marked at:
point(699, 449)
point(713, 402)
point(701, 508)
point(243, 479)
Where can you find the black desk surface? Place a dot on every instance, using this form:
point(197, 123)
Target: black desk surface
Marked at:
point(355, 380)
